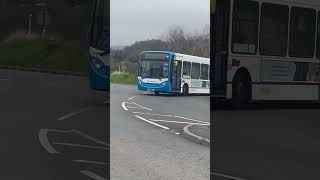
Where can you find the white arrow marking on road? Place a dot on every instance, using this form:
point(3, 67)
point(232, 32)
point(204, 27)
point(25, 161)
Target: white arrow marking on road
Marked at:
point(67, 116)
point(191, 119)
point(90, 162)
point(167, 115)
point(138, 106)
point(132, 98)
point(124, 106)
point(143, 119)
point(178, 122)
point(93, 175)
point(80, 145)
point(43, 138)
point(227, 176)
point(89, 137)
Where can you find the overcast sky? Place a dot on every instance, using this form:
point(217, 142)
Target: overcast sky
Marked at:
point(135, 20)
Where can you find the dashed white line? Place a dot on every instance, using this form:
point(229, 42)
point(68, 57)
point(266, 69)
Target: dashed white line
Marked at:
point(90, 162)
point(89, 137)
point(80, 145)
point(43, 138)
point(178, 122)
point(67, 116)
point(93, 175)
point(227, 176)
point(143, 119)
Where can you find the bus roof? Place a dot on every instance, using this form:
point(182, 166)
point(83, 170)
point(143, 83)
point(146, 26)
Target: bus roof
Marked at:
point(185, 57)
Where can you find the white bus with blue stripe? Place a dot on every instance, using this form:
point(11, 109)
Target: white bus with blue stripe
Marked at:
point(266, 50)
point(99, 45)
point(169, 72)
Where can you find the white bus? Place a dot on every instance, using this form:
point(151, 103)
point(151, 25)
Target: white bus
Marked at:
point(266, 50)
point(169, 72)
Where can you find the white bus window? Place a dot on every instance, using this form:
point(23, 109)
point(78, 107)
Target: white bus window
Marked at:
point(274, 29)
point(245, 27)
point(302, 32)
point(204, 71)
point(195, 71)
point(186, 70)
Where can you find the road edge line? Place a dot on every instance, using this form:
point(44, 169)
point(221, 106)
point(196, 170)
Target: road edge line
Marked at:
point(193, 137)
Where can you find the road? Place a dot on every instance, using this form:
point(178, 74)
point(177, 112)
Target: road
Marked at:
point(52, 127)
point(266, 143)
point(146, 141)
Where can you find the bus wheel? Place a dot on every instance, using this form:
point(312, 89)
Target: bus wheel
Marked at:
point(240, 94)
point(157, 93)
point(185, 90)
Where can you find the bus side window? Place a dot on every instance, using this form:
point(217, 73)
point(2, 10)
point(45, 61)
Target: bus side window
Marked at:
point(98, 24)
point(302, 32)
point(318, 37)
point(274, 28)
point(204, 71)
point(186, 70)
point(245, 27)
point(195, 71)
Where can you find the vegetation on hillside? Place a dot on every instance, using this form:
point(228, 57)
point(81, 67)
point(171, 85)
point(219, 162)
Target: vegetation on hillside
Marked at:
point(175, 40)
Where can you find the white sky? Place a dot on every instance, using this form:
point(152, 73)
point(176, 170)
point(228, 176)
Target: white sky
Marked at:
point(135, 20)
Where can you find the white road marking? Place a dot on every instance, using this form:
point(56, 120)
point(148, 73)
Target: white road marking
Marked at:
point(89, 137)
point(143, 119)
point(138, 106)
point(93, 175)
point(56, 130)
point(4, 79)
point(167, 115)
point(141, 106)
point(191, 119)
point(80, 145)
point(90, 162)
point(227, 176)
point(67, 116)
point(124, 106)
point(178, 122)
point(132, 98)
point(43, 138)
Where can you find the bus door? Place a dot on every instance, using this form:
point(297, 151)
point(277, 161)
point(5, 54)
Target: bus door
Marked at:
point(99, 44)
point(176, 75)
point(221, 38)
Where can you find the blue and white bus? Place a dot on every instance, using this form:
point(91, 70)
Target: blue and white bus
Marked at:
point(266, 50)
point(99, 45)
point(169, 72)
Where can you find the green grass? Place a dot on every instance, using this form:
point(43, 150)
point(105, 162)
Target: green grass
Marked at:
point(68, 56)
point(121, 78)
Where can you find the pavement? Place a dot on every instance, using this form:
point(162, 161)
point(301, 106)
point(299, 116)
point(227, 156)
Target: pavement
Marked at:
point(52, 127)
point(266, 141)
point(146, 135)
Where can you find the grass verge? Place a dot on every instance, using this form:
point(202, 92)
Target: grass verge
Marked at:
point(123, 78)
point(38, 53)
